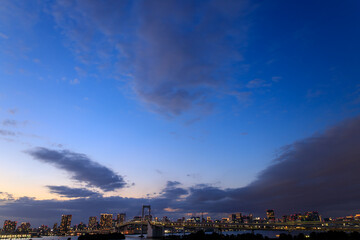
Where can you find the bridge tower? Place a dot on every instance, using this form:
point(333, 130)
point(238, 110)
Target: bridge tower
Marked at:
point(148, 207)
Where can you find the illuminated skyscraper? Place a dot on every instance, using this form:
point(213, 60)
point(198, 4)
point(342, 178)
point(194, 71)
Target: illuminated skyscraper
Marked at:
point(121, 218)
point(65, 223)
point(55, 228)
point(312, 216)
point(44, 230)
point(239, 217)
point(9, 226)
point(24, 227)
point(232, 217)
point(92, 223)
point(106, 221)
point(270, 215)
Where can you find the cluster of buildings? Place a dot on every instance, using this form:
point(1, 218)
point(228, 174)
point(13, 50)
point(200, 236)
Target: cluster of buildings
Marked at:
point(108, 222)
point(270, 218)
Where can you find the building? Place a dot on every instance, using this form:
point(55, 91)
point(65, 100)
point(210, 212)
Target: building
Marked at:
point(106, 221)
point(44, 230)
point(65, 223)
point(239, 217)
point(312, 216)
point(137, 219)
point(121, 218)
point(92, 223)
point(55, 228)
point(80, 227)
point(247, 219)
point(270, 215)
point(232, 217)
point(9, 226)
point(24, 227)
point(295, 217)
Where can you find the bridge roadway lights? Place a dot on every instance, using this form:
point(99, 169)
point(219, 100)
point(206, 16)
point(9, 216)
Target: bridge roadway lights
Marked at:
point(350, 226)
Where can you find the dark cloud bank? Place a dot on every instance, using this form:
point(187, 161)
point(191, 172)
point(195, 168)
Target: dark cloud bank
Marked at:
point(81, 168)
point(318, 173)
point(72, 192)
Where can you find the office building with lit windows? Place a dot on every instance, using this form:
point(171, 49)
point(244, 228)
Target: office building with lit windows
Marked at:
point(106, 221)
point(65, 223)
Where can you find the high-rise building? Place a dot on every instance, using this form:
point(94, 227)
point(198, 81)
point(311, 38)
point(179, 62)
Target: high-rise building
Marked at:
point(55, 228)
point(9, 226)
point(232, 217)
point(24, 227)
point(312, 216)
point(44, 230)
point(239, 217)
point(80, 227)
point(65, 223)
point(121, 218)
point(106, 221)
point(270, 215)
point(92, 223)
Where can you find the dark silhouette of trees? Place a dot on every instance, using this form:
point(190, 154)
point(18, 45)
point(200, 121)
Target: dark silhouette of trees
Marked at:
point(110, 236)
point(331, 235)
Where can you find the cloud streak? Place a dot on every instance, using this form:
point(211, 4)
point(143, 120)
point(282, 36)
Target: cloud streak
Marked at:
point(13, 123)
point(7, 133)
point(68, 192)
point(80, 167)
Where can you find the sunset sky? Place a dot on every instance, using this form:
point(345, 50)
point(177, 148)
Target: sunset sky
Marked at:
point(191, 106)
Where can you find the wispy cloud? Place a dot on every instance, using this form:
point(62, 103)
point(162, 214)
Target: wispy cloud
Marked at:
point(173, 190)
point(7, 133)
point(80, 167)
point(13, 123)
point(276, 78)
point(75, 81)
point(4, 196)
point(69, 192)
point(311, 93)
point(13, 111)
point(258, 83)
point(4, 36)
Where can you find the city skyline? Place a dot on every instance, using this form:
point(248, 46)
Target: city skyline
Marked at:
point(107, 221)
point(187, 106)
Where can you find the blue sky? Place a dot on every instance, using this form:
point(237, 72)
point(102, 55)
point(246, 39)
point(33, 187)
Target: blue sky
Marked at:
point(205, 92)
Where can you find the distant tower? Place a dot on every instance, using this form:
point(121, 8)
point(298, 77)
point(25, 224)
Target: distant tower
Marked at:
point(148, 207)
point(65, 223)
point(106, 221)
point(270, 215)
point(92, 223)
point(121, 218)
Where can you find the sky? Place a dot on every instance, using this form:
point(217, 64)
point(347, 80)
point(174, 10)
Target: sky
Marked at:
point(190, 106)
